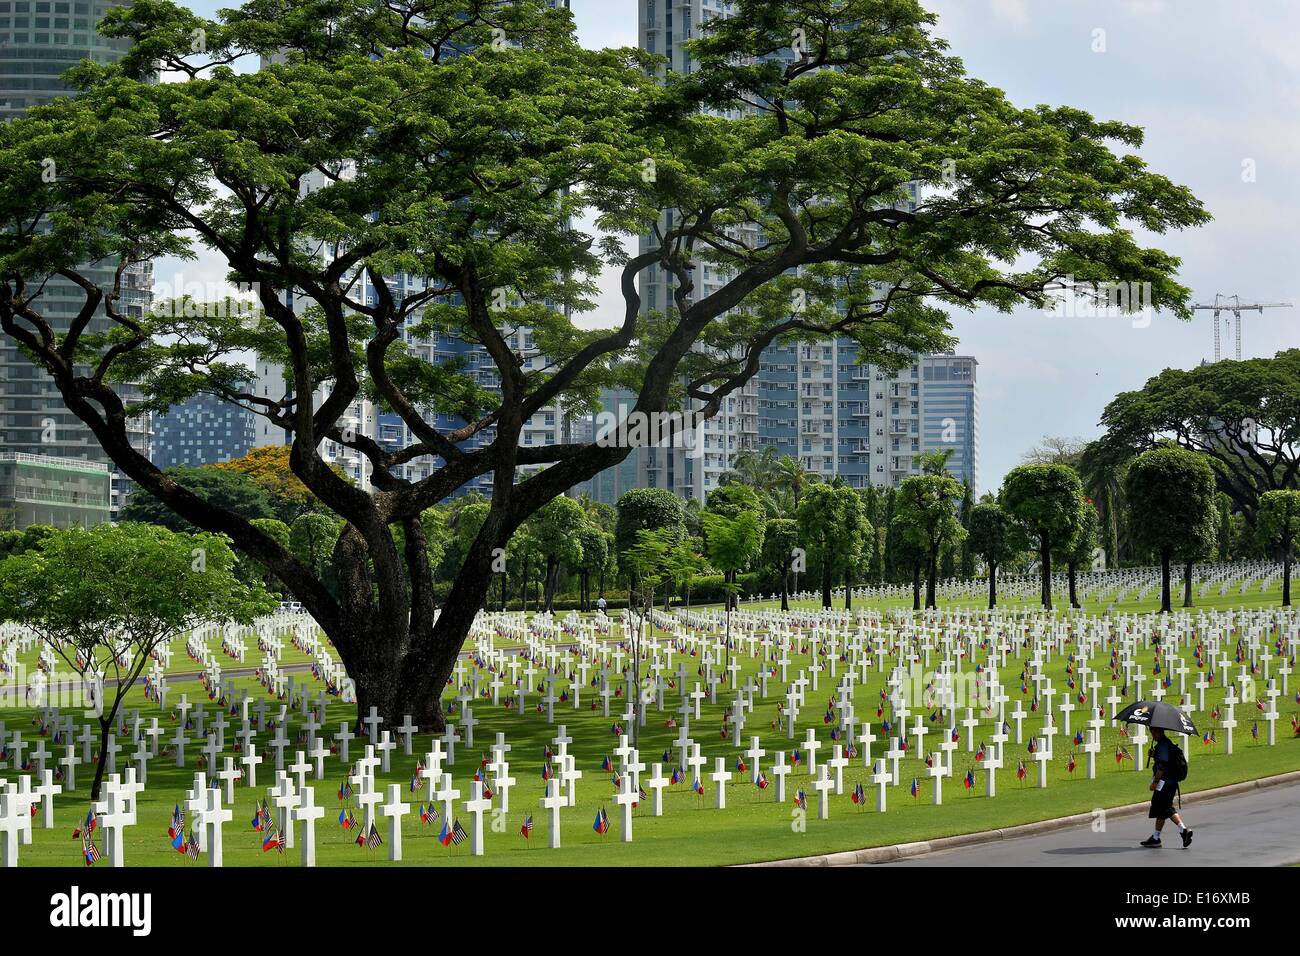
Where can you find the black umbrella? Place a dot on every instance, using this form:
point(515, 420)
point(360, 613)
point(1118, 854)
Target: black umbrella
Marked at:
point(1156, 713)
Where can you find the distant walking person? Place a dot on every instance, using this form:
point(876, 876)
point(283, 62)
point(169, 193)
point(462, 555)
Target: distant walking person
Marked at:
point(1170, 770)
point(600, 604)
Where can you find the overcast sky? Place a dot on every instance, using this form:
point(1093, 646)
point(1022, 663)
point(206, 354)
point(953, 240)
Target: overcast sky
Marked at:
point(1216, 86)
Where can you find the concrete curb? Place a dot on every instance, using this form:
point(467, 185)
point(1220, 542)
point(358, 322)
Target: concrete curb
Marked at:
point(902, 851)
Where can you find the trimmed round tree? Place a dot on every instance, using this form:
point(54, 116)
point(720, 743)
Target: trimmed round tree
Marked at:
point(741, 543)
point(557, 526)
point(1279, 520)
point(780, 538)
point(927, 507)
point(1045, 498)
point(1171, 506)
point(647, 509)
point(996, 537)
point(832, 529)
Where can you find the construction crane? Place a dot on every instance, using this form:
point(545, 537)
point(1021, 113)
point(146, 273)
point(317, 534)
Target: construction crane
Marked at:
point(1233, 304)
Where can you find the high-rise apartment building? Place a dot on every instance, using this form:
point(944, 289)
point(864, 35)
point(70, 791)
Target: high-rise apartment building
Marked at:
point(39, 40)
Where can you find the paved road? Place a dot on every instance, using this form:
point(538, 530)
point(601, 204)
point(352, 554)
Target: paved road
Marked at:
point(1260, 828)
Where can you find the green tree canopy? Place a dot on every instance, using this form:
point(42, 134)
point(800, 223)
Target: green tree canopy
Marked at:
point(557, 529)
point(647, 509)
point(312, 538)
point(832, 530)
point(1082, 547)
point(780, 538)
point(230, 491)
point(996, 537)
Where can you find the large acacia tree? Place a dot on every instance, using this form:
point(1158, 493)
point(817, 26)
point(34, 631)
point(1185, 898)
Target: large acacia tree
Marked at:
point(460, 141)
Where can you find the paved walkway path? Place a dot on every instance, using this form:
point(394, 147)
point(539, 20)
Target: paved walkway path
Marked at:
point(1261, 828)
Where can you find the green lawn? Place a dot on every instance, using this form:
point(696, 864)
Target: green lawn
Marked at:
point(752, 828)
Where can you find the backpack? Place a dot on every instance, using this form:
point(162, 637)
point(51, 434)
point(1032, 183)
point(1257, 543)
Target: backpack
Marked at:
point(1177, 763)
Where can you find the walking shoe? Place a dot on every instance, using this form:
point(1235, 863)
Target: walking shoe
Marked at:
point(1151, 844)
point(1187, 838)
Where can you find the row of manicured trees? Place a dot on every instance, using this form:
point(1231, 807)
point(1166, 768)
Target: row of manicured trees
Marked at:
point(86, 591)
point(567, 534)
point(882, 554)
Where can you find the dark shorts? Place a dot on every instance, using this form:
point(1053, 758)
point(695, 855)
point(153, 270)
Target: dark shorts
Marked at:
point(1162, 802)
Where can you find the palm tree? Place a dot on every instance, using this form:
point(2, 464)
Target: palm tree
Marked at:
point(935, 462)
point(759, 471)
point(793, 478)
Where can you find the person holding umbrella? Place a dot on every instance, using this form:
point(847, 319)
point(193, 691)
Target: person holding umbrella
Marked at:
point(1168, 760)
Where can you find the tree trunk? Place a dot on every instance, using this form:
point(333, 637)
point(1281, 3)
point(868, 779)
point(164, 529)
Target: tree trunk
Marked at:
point(1045, 558)
point(548, 584)
point(931, 577)
point(785, 589)
point(105, 729)
point(826, 582)
point(916, 586)
point(402, 668)
point(848, 590)
point(602, 581)
point(1187, 584)
point(1069, 573)
point(1164, 581)
point(993, 585)
point(1286, 576)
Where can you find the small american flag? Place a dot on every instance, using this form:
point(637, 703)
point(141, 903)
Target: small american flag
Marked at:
point(373, 840)
point(458, 834)
point(527, 828)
